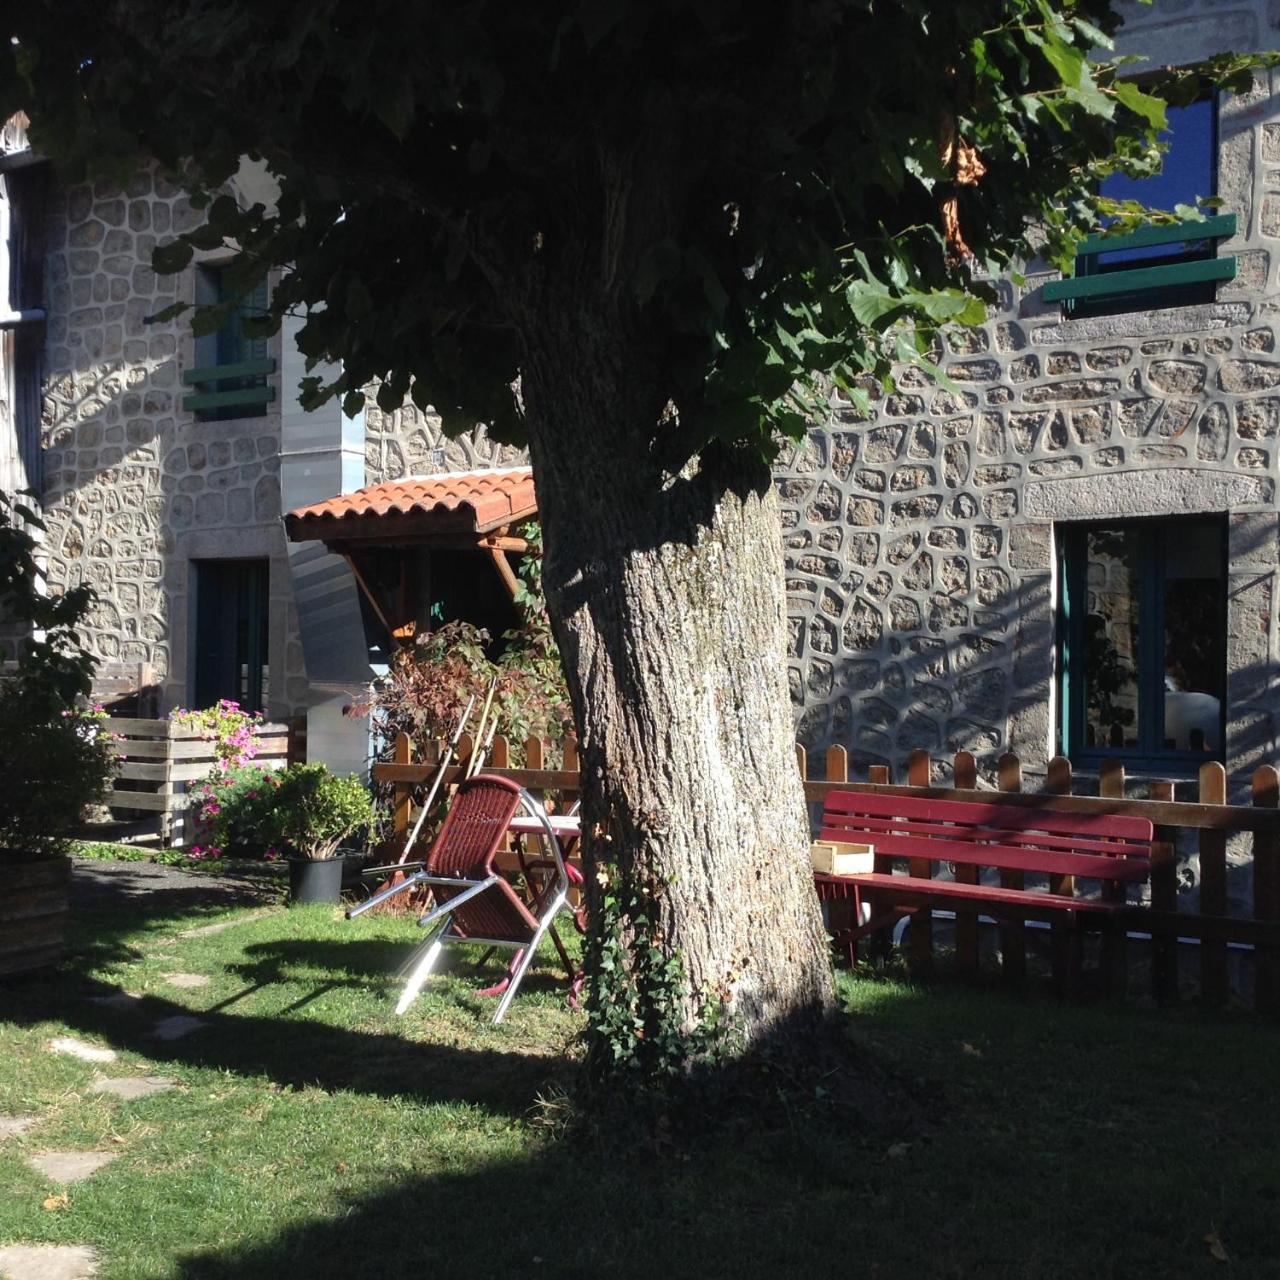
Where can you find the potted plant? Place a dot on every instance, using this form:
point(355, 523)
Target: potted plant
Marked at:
point(55, 758)
point(313, 811)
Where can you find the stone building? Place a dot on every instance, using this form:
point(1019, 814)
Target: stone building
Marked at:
point(1074, 549)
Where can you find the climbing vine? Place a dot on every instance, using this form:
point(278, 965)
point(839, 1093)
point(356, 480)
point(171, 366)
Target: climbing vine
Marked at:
point(636, 992)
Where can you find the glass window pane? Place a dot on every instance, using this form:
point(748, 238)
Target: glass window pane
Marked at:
point(1186, 178)
point(230, 650)
point(1194, 666)
point(1110, 667)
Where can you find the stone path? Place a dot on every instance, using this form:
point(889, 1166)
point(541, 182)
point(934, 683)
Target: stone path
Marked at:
point(114, 883)
point(97, 883)
point(121, 1000)
point(48, 1262)
point(188, 981)
point(70, 1166)
point(131, 1087)
point(16, 1126)
point(79, 1049)
point(177, 1026)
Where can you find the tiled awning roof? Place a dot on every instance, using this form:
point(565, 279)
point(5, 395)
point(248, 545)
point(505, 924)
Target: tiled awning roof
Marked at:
point(420, 509)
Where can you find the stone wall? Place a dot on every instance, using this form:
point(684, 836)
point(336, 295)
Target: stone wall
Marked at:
point(410, 442)
point(920, 541)
point(134, 487)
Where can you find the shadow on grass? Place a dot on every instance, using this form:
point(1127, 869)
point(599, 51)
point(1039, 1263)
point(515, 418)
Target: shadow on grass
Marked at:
point(297, 1052)
point(352, 963)
point(1064, 1142)
point(112, 902)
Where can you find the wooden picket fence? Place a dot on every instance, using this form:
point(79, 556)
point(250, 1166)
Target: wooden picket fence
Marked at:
point(158, 758)
point(1208, 822)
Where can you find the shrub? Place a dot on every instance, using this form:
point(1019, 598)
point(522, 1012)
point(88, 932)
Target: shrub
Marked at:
point(233, 812)
point(313, 810)
point(55, 758)
point(428, 684)
point(54, 764)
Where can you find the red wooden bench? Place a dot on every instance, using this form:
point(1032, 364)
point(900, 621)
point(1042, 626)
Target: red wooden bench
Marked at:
point(1014, 840)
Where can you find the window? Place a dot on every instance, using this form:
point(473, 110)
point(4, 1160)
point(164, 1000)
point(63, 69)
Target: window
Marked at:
point(231, 365)
point(231, 633)
point(1143, 640)
point(1158, 266)
point(22, 197)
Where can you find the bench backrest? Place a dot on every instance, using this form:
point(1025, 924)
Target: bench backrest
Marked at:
point(1100, 846)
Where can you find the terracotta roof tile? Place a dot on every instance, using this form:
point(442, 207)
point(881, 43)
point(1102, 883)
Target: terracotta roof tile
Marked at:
point(474, 501)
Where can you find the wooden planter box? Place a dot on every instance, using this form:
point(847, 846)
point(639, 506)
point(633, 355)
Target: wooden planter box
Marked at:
point(33, 913)
point(159, 760)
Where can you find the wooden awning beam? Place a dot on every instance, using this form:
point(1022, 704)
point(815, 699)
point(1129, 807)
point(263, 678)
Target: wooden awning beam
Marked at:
point(397, 635)
point(505, 571)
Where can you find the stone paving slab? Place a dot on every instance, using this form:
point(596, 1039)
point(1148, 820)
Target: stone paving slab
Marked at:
point(131, 1087)
point(189, 981)
point(15, 1127)
point(48, 1262)
point(70, 1166)
point(79, 1049)
point(121, 1000)
point(174, 1028)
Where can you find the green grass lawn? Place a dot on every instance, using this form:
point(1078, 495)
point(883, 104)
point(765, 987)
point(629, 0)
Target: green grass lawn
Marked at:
point(313, 1134)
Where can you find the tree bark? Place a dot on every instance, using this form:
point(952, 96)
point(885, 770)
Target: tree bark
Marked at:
point(666, 597)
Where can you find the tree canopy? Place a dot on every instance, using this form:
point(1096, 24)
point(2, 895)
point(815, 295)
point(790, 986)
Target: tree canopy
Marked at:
point(760, 191)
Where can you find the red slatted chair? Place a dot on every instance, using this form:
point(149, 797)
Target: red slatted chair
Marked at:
point(473, 902)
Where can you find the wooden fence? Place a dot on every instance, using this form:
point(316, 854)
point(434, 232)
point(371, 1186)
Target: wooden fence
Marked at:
point(1206, 822)
point(158, 758)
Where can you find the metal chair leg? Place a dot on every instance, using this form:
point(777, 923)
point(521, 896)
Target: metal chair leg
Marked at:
point(527, 958)
point(422, 970)
point(406, 884)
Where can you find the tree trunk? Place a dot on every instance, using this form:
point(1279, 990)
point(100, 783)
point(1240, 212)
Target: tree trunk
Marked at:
point(666, 597)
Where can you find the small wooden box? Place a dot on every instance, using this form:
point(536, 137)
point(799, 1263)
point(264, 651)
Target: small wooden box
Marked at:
point(836, 858)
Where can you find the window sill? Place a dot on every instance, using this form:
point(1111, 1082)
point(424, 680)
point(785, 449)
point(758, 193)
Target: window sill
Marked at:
point(1168, 322)
point(1143, 768)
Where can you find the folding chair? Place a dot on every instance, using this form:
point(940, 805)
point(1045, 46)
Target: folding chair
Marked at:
point(473, 902)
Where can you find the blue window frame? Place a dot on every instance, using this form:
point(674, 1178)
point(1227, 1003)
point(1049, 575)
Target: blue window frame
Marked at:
point(1158, 266)
point(1142, 634)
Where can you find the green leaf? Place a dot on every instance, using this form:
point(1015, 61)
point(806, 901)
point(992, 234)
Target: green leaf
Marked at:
point(871, 303)
point(169, 259)
point(171, 312)
point(1092, 33)
point(1146, 105)
point(208, 320)
point(1067, 60)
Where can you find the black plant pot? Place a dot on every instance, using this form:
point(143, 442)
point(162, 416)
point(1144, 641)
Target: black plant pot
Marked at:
point(316, 879)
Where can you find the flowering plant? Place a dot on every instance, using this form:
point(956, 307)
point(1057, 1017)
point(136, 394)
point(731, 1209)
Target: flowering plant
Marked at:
point(231, 730)
point(232, 811)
